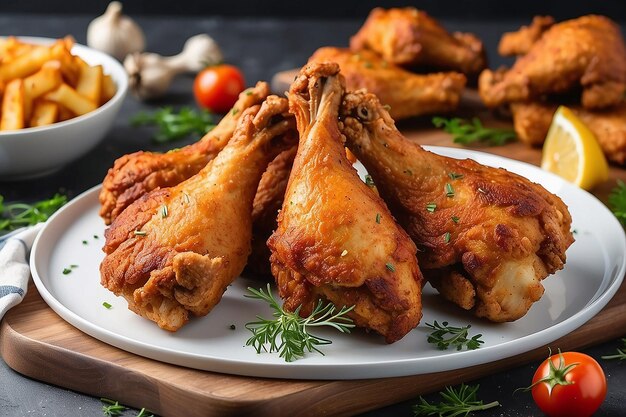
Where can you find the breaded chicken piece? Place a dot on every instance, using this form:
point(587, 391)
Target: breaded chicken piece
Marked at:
point(487, 237)
point(586, 53)
point(406, 93)
point(174, 251)
point(532, 121)
point(521, 41)
point(411, 38)
point(336, 239)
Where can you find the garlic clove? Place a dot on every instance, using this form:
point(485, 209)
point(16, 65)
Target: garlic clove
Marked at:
point(148, 76)
point(115, 33)
point(199, 52)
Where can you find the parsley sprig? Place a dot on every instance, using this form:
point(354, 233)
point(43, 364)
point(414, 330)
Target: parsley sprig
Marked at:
point(173, 126)
point(617, 202)
point(445, 336)
point(16, 215)
point(288, 333)
point(621, 352)
point(456, 402)
point(467, 132)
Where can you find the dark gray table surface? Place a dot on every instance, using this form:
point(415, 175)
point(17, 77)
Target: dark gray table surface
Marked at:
point(261, 47)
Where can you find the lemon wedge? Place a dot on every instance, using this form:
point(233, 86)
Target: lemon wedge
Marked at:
point(572, 151)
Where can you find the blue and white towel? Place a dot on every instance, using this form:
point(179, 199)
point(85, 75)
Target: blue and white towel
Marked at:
point(14, 268)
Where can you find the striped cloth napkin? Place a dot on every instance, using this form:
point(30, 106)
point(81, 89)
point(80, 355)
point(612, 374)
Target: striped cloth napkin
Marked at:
point(14, 268)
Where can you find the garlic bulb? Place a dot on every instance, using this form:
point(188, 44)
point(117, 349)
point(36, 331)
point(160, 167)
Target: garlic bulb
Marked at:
point(150, 74)
point(114, 33)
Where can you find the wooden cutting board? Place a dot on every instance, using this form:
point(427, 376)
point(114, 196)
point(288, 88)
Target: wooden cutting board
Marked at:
point(36, 342)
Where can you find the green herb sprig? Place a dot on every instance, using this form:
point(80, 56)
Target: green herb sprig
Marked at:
point(467, 132)
point(445, 336)
point(617, 202)
point(112, 408)
point(621, 352)
point(456, 402)
point(288, 333)
point(16, 215)
point(173, 126)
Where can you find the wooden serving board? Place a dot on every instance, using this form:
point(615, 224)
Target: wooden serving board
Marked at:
point(36, 342)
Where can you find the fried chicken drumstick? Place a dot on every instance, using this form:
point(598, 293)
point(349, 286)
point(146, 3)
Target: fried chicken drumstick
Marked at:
point(175, 250)
point(136, 174)
point(411, 38)
point(408, 94)
point(587, 52)
point(487, 236)
point(336, 239)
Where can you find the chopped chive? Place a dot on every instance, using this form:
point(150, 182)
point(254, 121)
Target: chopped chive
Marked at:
point(66, 271)
point(455, 219)
point(248, 92)
point(446, 237)
point(96, 237)
point(73, 266)
point(85, 242)
point(455, 176)
point(408, 172)
point(378, 218)
point(140, 233)
point(390, 267)
point(164, 212)
point(107, 305)
point(449, 190)
point(369, 181)
point(431, 207)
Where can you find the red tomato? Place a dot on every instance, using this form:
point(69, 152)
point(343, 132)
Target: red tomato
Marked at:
point(578, 385)
point(217, 88)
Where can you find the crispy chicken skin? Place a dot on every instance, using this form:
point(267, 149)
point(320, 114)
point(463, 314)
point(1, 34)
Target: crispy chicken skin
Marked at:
point(410, 37)
point(487, 237)
point(336, 239)
point(136, 174)
point(520, 42)
point(175, 250)
point(587, 52)
point(532, 121)
point(407, 94)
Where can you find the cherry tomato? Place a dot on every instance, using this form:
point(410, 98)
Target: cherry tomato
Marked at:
point(578, 385)
point(217, 87)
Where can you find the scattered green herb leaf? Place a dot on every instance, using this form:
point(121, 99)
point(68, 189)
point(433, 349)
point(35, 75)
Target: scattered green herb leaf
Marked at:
point(449, 190)
point(164, 212)
point(85, 242)
point(106, 305)
point(16, 215)
point(378, 218)
point(455, 219)
point(140, 233)
point(446, 237)
point(431, 207)
point(458, 336)
point(617, 201)
point(369, 181)
point(390, 267)
point(112, 408)
point(456, 402)
point(621, 352)
point(288, 333)
point(145, 413)
point(173, 126)
point(455, 176)
point(66, 271)
point(468, 132)
point(96, 237)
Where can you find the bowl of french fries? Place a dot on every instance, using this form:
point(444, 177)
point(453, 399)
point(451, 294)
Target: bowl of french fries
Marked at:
point(58, 101)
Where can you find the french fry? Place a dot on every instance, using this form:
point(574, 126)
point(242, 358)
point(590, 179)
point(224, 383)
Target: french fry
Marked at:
point(89, 83)
point(108, 89)
point(25, 64)
point(44, 113)
point(68, 97)
point(69, 68)
point(46, 79)
point(65, 114)
point(13, 106)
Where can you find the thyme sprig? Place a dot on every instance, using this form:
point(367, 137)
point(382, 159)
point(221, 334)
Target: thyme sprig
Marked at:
point(617, 201)
point(456, 402)
point(172, 125)
point(445, 336)
point(621, 352)
point(16, 215)
point(467, 132)
point(288, 333)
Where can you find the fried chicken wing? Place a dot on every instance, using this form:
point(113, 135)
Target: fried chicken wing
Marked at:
point(520, 42)
point(587, 53)
point(336, 239)
point(532, 121)
point(410, 37)
point(175, 250)
point(407, 94)
point(136, 174)
point(487, 237)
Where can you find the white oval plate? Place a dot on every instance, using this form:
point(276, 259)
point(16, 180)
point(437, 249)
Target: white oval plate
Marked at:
point(74, 236)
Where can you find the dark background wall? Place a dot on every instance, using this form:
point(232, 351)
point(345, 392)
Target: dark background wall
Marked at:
point(457, 9)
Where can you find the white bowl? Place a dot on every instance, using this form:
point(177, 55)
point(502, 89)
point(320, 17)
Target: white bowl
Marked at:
point(37, 151)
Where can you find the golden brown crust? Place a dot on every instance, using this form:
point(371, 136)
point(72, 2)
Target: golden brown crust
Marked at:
point(521, 41)
point(410, 37)
point(485, 226)
point(406, 93)
point(587, 52)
